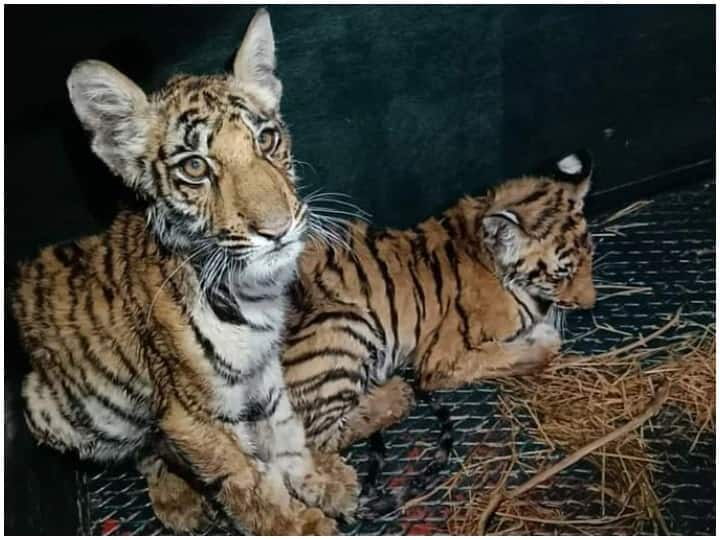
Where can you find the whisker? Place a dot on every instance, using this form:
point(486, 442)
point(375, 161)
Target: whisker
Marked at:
point(304, 163)
point(321, 210)
point(332, 237)
point(339, 202)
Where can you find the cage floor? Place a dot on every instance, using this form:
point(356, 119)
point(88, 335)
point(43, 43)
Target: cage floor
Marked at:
point(666, 247)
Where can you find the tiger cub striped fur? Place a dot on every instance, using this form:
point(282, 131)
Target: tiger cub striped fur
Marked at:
point(159, 340)
point(464, 297)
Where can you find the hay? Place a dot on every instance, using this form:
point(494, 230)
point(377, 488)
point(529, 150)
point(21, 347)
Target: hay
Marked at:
point(582, 406)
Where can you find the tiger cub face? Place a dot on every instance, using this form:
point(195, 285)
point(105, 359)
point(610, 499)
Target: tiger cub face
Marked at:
point(536, 230)
point(210, 154)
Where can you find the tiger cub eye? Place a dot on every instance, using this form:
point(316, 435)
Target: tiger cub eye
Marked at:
point(195, 167)
point(268, 140)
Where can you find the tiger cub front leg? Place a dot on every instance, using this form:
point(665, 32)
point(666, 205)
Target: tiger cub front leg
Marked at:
point(443, 367)
point(318, 479)
point(252, 493)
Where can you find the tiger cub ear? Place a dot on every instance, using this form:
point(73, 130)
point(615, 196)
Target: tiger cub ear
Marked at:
point(115, 111)
point(503, 236)
point(254, 65)
point(575, 168)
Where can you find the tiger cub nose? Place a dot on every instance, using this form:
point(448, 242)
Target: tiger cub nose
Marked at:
point(273, 230)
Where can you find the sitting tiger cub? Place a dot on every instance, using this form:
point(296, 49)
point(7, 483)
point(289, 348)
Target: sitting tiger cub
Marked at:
point(159, 340)
point(463, 298)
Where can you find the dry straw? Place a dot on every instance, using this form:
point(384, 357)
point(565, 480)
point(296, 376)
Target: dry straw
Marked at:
point(596, 409)
point(599, 409)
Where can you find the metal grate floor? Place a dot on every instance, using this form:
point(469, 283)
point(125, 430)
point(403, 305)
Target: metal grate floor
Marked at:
point(667, 246)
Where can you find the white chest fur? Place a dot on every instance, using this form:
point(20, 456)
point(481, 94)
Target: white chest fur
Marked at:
point(241, 345)
point(249, 353)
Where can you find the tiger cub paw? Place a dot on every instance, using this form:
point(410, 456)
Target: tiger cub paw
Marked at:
point(332, 486)
point(314, 523)
point(399, 400)
point(175, 503)
point(546, 336)
point(536, 349)
point(293, 519)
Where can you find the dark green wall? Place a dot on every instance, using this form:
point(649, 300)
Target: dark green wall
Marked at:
point(386, 102)
point(405, 108)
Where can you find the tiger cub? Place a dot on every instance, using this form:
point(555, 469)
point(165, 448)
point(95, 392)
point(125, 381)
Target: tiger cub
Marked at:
point(159, 339)
point(462, 298)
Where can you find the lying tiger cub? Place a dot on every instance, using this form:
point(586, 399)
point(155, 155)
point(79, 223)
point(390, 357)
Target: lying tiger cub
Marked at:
point(464, 297)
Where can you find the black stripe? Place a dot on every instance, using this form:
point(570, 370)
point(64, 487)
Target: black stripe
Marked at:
point(156, 171)
point(324, 316)
point(418, 318)
point(418, 287)
point(192, 137)
point(256, 410)
point(77, 413)
point(534, 196)
point(307, 356)
point(333, 266)
point(547, 215)
point(207, 346)
point(286, 420)
point(389, 288)
point(128, 416)
point(335, 411)
point(331, 416)
point(569, 224)
point(326, 424)
point(91, 391)
point(125, 385)
point(38, 296)
point(563, 251)
point(75, 421)
point(185, 116)
point(451, 228)
point(362, 340)
point(523, 309)
point(536, 272)
point(44, 434)
point(127, 362)
point(320, 284)
point(310, 384)
point(212, 101)
point(452, 259)
point(68, 254)
point(419, 245)
point(237, 101)
point(437, 277)
point(367, 291)
point(295, 339)
point(362, 275)
point(428, 352)
point(155, 358)
point(73, 291)
point(346, 396)
point(231, 314)
point(171, 282)
point(222, 367)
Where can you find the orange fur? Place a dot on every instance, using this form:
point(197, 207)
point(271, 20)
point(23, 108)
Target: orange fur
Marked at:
point(462, 298)
point(158, 339)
